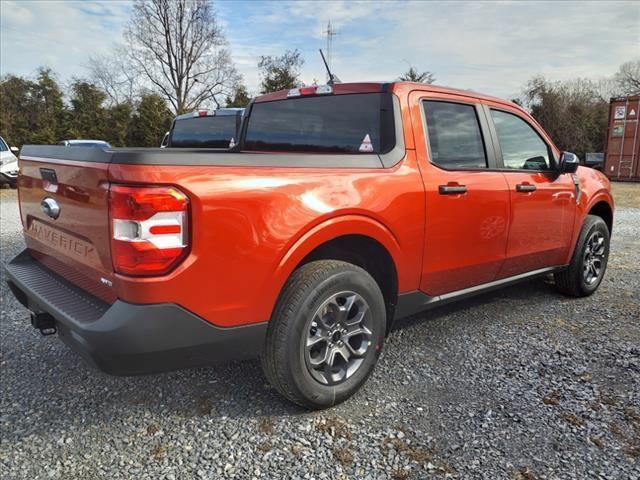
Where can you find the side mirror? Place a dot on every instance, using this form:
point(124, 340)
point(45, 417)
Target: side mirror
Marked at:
point(568, 162)
point(14, 149)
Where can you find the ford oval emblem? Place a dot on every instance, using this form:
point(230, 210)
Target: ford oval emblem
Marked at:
point(50, 207)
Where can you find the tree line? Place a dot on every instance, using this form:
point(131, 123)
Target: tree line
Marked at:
point(575, 113)
point(37, 112)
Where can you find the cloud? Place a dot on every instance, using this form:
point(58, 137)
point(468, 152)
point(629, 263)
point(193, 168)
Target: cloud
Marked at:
point(61, 35)
point(494, 47)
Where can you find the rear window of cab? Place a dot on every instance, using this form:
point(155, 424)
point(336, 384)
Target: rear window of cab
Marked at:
point(351, 123)
point(204, 132)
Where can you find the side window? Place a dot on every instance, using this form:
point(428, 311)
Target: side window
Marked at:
point(522, 148)
point(454, 134)
point(3, 146)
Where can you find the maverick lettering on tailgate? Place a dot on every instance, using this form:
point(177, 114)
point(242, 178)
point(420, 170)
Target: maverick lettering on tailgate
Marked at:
point(64, 243)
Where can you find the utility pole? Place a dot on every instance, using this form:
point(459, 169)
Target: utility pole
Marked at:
point(330, 32)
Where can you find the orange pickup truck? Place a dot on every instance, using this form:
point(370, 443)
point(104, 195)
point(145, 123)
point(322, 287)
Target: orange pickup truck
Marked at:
point(340, 209)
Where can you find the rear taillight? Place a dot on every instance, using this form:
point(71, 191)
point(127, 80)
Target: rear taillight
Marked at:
point(149, 229)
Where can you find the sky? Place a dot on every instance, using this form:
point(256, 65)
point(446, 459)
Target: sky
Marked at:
point(491, 47)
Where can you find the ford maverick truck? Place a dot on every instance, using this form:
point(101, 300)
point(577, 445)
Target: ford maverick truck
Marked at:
point(340, 209)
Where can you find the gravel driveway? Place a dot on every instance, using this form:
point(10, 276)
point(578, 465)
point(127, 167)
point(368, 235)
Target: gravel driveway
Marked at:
point(519, 384)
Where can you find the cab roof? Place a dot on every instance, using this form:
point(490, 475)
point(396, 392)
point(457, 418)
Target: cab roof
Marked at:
point(397, 87)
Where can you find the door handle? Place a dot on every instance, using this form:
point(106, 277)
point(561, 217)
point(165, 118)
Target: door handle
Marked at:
point(525, 187)
point(452, 189)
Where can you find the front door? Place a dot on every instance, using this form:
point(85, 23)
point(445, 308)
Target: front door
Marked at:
point(543, 202)
point(467, 204)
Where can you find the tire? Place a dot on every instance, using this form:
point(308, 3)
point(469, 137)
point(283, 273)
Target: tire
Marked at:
point(575, 281)
point(308, 313)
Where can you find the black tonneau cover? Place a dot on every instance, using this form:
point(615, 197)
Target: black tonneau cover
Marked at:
point(217, 157)
point(212, 157)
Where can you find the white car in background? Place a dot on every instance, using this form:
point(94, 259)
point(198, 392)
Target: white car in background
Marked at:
point(8, 164)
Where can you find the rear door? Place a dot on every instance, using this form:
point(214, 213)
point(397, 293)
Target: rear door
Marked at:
point(467, 201)
point(64, 208)
point(542, 201)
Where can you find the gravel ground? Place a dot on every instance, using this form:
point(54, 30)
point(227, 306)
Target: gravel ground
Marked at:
point(518, 384)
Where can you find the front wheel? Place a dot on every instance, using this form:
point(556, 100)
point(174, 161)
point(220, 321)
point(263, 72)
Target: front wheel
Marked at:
point(589, 261)
point(325, 334)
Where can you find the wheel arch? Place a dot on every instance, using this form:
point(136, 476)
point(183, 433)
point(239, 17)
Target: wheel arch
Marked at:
point(601, 208)
point(356, 239)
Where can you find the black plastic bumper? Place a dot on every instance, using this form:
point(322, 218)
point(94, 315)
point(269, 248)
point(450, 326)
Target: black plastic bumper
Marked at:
point(128, 339)
point(11, 180)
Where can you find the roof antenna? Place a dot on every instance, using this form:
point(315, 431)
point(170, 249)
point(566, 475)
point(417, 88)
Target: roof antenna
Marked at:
point(332, 78)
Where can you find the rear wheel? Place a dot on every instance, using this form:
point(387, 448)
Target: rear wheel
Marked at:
point(326, 333)
point(589, 261)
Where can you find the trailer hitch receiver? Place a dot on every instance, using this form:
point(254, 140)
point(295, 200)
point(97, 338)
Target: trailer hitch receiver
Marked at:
point(44, 322)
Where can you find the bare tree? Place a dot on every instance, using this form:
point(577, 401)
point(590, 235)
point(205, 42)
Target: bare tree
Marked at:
point(118, 77)
point(412, 75)
point(179, 48)
point(573, 112)
point(628, 78)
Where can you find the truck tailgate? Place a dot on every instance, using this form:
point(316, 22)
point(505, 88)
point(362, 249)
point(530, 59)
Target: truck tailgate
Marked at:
point(74, 241)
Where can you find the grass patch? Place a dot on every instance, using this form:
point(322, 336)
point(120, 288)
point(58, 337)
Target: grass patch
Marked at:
point(626, 194)
point(597, 441)
point(525, 473)
point(343, 455)
point(266, 425)
point(573, 419)
point(334, 427)
point(552, 398)
point(159, 452)
point(400, 474)
point(265, 447)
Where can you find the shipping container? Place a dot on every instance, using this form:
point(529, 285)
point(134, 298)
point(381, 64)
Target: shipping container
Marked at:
point(622, 154)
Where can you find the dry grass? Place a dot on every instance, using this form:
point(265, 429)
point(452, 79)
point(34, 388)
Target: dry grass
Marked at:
point(153, 429)
point(525, 473)
point(400, 474)
point(626, 194)
point(633, 451)
point(265, 447)
point(573, 419)
point(334, 427)
point(158, 452)
point(344, 456)
point(552, 398)
point(266, 425)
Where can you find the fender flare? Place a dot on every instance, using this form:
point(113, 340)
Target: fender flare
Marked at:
point(602, 195)
point(330, 229)
point(599, 196)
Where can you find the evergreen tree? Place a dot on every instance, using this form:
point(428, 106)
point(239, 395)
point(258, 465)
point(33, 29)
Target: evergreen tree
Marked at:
point(88, 116)
point(280, 73)
point(413, 75)
point(240, 98)
point(49, 115)
point(118, 127)
point(150, 122)
point(17, 110)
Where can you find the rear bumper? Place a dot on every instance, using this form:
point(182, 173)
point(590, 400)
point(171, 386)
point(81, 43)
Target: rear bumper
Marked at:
point(128, 339)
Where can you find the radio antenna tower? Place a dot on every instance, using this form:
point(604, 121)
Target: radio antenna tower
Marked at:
point(330, 32)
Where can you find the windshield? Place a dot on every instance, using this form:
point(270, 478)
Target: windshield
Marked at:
point(353, 123)
point(204, 132)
